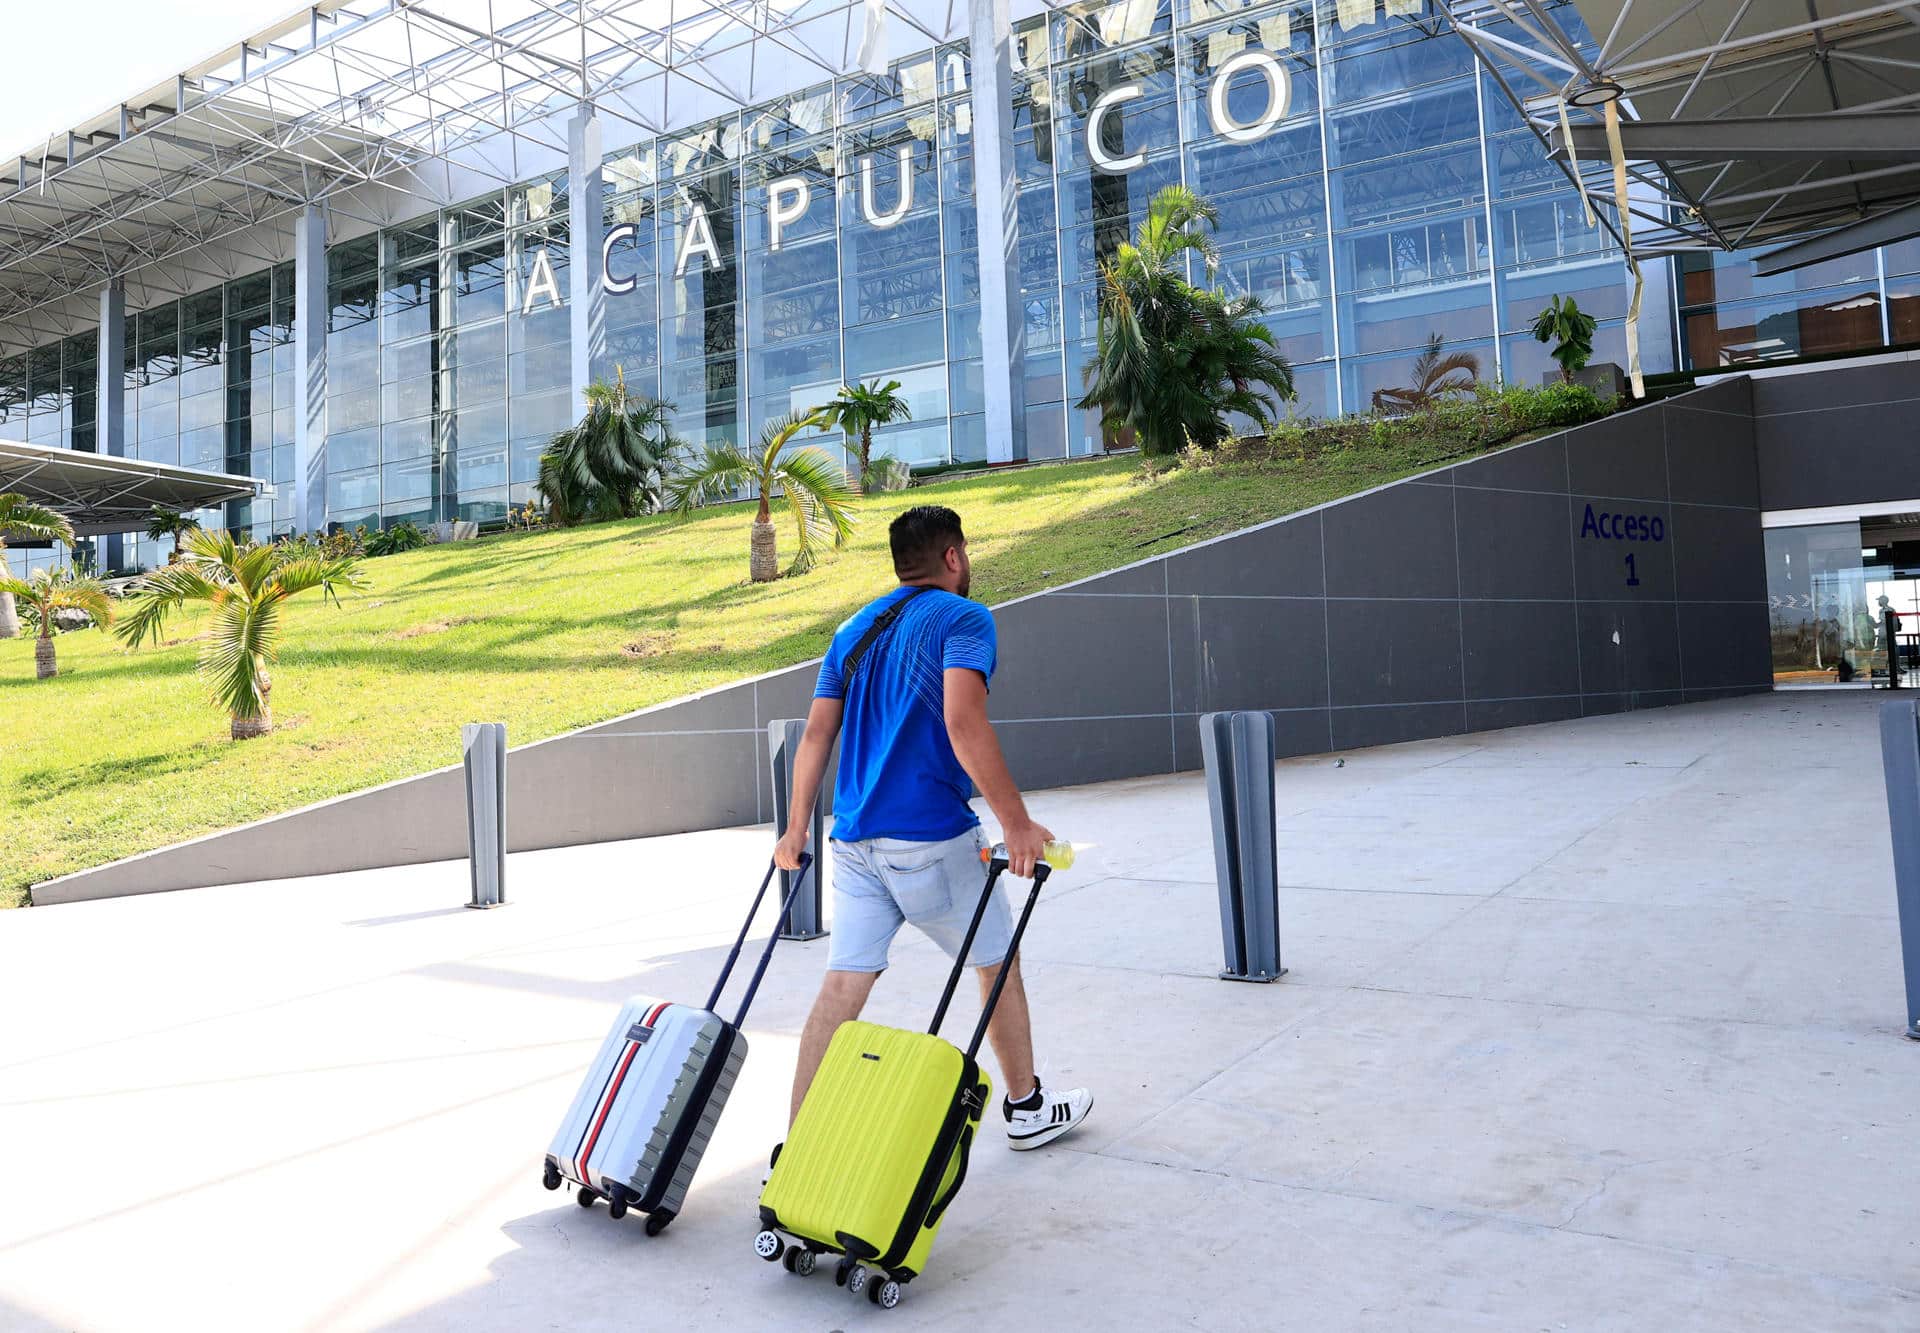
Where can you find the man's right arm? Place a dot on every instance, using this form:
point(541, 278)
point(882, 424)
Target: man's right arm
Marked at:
point(978, 749)
point(809, 767)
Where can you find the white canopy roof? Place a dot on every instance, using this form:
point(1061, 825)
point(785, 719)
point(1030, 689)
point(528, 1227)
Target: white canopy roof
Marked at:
point(1770, 120)
point(349, 94)
point(100, 493)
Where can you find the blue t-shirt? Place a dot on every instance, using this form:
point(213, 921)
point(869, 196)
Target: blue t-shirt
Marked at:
point(899, 777)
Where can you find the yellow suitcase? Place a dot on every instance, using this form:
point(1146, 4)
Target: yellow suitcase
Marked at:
point(879, 1149)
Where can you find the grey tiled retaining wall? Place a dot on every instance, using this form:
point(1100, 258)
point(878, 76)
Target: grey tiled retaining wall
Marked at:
point(1845, 436)
point(1472, 597)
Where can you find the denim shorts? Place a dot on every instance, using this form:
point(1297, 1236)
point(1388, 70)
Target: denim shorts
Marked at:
point(882, 882)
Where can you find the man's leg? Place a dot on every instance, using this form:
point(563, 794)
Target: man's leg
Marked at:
point(842, 996)
point(1011, 1031)
point(865, 918)
point(943, 907)
point(1034, 1116)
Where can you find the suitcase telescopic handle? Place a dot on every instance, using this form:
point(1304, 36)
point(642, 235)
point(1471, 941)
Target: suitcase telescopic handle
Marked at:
point(733, 954)
point(996, 862)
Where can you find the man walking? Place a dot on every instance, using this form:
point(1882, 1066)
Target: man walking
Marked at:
point(907, 678)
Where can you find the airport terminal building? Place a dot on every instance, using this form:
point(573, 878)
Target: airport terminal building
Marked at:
point(371, 256)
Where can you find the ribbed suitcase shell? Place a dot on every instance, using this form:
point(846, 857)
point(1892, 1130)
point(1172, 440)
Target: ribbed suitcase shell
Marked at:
point(643, 1085)
point(865, 1138)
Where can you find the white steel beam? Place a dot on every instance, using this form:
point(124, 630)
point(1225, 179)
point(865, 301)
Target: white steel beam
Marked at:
point(996, 204)
point(310, 370)
point(586, 228)
point(110, 397)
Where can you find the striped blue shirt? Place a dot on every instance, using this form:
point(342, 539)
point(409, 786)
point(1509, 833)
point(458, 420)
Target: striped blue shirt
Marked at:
point(899, 777)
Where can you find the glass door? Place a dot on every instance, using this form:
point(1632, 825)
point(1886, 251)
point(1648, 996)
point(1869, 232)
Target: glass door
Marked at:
point(1830, 588)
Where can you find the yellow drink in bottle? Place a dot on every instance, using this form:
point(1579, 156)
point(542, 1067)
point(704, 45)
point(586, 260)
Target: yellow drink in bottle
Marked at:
point(1058, 853)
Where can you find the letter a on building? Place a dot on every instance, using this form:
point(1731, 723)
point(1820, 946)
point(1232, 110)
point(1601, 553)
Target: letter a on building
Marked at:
point(540, 281)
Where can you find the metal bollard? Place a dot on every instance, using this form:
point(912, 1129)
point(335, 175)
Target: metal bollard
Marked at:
point(1900, 755)
point(484, 753)
point(1237, 749)
point(802, 921)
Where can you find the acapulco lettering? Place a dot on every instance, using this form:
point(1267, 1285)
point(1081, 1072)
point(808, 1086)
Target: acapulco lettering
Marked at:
point(789, 197)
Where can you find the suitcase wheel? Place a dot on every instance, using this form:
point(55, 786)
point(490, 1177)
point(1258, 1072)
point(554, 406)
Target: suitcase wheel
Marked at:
point(551, 1177)
point(799, 1261)
point(617, 1206)
point(857, 1278)
point(586, 1197)
point(885, 1294)
point(769, 1246)
point(657, 1222)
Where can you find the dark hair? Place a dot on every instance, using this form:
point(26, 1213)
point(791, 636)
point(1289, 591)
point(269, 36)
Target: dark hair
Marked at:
point(920, 538)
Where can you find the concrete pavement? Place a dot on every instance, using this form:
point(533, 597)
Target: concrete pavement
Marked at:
point(1594, 1025)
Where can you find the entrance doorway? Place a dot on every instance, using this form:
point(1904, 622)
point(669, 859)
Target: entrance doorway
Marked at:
point(1829, 588)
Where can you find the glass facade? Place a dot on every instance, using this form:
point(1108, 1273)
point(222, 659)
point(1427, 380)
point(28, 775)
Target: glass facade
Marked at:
point(766, 258)
point(208, 384)
point(48, 396)
point(1375, 190)
point(447, 359)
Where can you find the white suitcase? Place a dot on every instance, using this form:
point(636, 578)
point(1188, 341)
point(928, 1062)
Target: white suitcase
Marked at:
point(641, 1121)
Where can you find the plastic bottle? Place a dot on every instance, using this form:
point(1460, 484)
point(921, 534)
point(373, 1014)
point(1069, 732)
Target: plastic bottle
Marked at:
point(1058, 853)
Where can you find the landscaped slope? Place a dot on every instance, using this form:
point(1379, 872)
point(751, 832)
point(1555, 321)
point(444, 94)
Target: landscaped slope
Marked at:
point(545, 631)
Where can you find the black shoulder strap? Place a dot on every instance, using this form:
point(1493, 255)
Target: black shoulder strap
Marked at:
point(881, 623)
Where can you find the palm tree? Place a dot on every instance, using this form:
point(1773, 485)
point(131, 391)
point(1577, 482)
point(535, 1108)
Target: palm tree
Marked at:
point(861, 407)
point(165, 524)
point(246, 584)
point(816, 490)
point(47, 592)
point(1174, 361)
point(21, 518)
point(610, 462)
point(1435, 375)
point(1570, 329)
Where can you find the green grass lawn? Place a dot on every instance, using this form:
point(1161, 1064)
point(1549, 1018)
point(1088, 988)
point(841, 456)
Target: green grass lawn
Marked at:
point(545, 631)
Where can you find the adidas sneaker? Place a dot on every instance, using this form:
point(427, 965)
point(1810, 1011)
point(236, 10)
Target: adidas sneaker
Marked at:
point(1042, 1116)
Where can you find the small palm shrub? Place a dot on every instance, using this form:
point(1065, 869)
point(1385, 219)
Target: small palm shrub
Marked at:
point(1570, 329)
point(46, 594)
point(857, 410)
point(401, 536)
point(815, 488)
point(1437, 375)
point(1176, 363)
point(21, 518)
point(170, 525)
point(247, 587)
point(611, 463)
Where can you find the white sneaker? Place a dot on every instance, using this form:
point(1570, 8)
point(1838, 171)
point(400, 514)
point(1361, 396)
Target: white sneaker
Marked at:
point(1044, 1116)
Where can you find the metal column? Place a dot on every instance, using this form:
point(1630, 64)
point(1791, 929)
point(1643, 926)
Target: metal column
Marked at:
point(802, 921)
point(1900, 754)
point(996, 204)
point(587, 226)
point(483, 747)
point(110, 393)
point(110, 407)
point(310, 370)
point(1237, 749)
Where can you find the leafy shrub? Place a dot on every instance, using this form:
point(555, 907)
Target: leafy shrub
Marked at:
point(402, 536)
point(526, 519)
point(339, 544)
